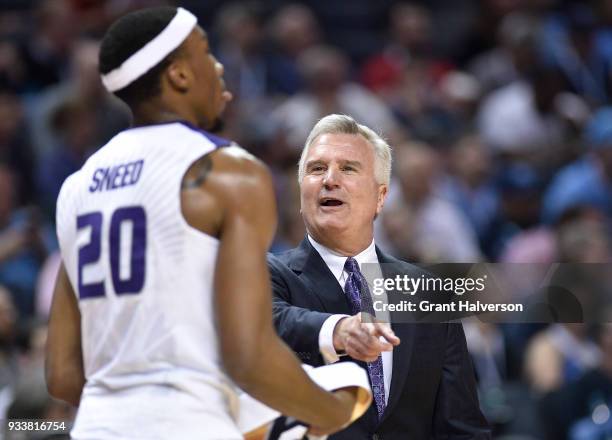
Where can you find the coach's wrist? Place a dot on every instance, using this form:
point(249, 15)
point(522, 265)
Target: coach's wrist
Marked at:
point(339, 336)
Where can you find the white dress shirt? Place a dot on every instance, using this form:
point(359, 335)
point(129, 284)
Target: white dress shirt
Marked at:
point(335, 263)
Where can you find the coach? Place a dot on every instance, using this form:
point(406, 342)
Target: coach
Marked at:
point(421, 375)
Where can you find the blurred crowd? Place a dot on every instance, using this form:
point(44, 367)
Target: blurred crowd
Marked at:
point(499, 113)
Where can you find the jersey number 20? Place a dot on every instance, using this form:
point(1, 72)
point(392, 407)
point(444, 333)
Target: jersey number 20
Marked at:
point(90, 253)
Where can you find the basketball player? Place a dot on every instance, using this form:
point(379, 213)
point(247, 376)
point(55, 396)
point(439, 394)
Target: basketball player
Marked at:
point(162, 305)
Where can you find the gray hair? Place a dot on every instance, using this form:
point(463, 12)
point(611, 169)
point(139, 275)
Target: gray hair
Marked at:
point(343, 124)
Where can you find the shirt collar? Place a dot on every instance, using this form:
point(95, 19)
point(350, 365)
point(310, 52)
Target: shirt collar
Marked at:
point(335, 261)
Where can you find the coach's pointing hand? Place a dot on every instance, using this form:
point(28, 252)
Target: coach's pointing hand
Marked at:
point(361, 340)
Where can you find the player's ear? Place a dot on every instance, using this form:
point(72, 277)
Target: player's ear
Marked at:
point(179, 75)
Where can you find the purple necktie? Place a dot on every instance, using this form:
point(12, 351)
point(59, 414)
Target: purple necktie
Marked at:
point(356, 288)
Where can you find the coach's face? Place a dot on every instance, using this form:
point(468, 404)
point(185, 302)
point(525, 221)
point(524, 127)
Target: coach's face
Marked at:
point(340, 196)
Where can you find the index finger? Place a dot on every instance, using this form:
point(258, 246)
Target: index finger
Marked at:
point(371, 337)
point(384, 330)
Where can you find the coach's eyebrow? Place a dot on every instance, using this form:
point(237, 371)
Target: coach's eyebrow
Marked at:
point(352, 163)
point(312, 163)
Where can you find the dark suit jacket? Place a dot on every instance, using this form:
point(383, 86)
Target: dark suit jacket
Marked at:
point(432, 392)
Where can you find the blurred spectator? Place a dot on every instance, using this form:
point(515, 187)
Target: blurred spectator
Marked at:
point(251, 71)
point(15, 148)
point(485, 27)
point(519, 187)
point(588, 181)
point(240, 50)
point(294, 29)
point(9, 361)
point(469, 184)
point(487, 348)
point(435, 109)
point(536, 245)
point(573, 43)
point(584, 243)
point(460, 94)
point(423, 226)
point(260, 70)
point(355, 29)
point(83, 85)
point(583, 236)
point(603, 10)
point(14, 72)
point(410, 40)
point(74, 125)
point(30, 399)
point(406, 76)
point(8, 334)
point(324, 70)
point(511, 59)
point(520, 120)
point(21, 245)
point(559, 355)
point(516, 235)
point(507, 404)
point(94, 16)
point(581, 410)
point(48, 48)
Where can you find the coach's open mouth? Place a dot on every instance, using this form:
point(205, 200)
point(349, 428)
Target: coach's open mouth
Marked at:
point(330, 201)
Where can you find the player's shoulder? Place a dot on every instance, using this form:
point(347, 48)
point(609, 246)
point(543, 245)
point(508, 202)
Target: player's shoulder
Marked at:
point(235, 159)
point(231, 174)
point(239, 179)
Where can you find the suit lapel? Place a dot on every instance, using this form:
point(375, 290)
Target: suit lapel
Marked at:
point(403, 352)
point(314, 273)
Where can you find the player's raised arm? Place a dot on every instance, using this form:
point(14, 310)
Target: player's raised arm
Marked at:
point(253, 355)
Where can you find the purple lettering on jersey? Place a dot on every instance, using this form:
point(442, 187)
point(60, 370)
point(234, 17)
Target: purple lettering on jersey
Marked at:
point(119, 170)
point(137, 216)
point(129, 168)
point(136, 171)
point(116, 176)
point(90, 253)
point(97, 177)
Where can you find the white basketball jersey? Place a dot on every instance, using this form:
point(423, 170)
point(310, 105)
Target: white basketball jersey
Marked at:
point(144, 280)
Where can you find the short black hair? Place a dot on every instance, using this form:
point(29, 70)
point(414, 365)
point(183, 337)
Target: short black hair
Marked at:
point(124, 38)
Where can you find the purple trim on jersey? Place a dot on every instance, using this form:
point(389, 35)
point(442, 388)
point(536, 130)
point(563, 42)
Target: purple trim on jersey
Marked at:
point(217, 140)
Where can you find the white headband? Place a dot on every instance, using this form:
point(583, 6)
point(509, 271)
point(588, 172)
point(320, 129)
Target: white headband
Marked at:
point(151, 53)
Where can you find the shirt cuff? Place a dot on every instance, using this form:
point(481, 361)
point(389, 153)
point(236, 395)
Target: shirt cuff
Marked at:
point(326, 339)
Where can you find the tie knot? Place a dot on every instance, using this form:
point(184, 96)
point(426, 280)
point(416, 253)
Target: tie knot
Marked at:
point(351, 265)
